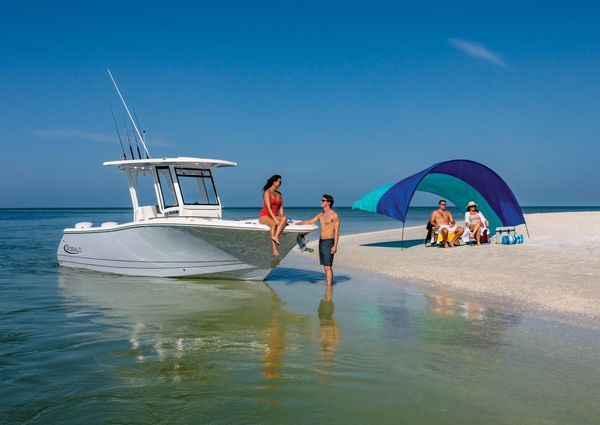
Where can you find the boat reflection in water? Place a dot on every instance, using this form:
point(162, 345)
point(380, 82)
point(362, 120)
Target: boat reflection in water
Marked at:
point(185, 329)
point(202, 351)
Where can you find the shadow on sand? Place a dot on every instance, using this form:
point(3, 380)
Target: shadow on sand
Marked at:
point(397, 244)
point(291, 275)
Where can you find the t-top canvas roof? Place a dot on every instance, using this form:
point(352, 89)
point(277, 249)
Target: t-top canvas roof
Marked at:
point(203, 163)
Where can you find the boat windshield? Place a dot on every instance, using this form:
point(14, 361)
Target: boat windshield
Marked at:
point(166, 187)
point(197, 187)
point(143, 182)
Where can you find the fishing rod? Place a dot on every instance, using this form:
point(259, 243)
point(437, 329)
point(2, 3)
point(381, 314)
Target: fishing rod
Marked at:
point(118, 133)
point(128, 139)
point(137, 130)
point(139, 126)
point(137, 145)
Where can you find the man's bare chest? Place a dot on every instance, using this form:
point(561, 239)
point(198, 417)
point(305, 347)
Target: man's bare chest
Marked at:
point(326, 220)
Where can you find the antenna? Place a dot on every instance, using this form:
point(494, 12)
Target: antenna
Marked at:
point(118, 134)
point(128, 139)
point(129, 113)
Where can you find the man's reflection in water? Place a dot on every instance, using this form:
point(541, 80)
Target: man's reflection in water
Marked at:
point(459, 322)
point(330, 331)
point(445, 306)
point(440, 305)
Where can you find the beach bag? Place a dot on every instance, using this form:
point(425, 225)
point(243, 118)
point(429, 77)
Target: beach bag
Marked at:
point(429, 228)
point(485, 236)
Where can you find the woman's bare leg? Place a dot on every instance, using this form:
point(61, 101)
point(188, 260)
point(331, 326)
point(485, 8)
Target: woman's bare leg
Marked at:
point(269, 222)
point(280, 226)
point(477, 233)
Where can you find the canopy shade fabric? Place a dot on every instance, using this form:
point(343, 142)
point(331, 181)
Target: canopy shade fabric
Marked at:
point(458, 181)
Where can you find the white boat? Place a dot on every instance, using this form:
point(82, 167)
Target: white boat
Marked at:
point(183, 234)
point(180, 229)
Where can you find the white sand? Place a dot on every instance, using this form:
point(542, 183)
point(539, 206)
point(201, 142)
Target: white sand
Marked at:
point(556, 270)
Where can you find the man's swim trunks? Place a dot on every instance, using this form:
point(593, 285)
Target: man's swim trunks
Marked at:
point(325, 255)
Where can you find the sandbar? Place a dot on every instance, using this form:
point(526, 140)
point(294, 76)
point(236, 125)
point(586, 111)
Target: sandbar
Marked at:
point(556, 269)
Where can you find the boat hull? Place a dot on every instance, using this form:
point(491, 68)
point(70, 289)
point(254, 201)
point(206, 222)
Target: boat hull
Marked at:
point(175, 250)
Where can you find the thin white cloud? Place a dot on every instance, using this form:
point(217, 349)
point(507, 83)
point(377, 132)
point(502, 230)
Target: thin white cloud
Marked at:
point(156, 142)
point(75, 134)
point(87, 136)
point(478, 50)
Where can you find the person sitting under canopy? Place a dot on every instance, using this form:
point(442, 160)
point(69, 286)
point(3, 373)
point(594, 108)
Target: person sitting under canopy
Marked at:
point(444, 222)
point(476, 224)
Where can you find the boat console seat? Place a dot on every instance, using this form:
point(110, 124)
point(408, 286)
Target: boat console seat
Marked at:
point(83, 225)
point(146, 212)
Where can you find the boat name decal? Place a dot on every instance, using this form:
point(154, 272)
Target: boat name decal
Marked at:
point(72, 249)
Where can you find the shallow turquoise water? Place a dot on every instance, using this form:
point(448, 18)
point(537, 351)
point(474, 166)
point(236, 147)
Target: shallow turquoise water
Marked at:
point(84, 347)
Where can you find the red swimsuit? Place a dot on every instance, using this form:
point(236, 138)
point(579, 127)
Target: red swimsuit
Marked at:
point(275, 205)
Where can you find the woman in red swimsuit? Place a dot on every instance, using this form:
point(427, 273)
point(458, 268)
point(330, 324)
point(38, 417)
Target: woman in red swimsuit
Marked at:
point(272, 210)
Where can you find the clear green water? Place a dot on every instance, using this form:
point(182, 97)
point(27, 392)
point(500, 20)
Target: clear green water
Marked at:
point(83, 347)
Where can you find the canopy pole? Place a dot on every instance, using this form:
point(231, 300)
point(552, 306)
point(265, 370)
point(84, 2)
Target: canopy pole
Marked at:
point(527, 229)
point(402, 243)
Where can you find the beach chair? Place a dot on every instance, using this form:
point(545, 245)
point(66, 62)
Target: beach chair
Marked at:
point(468, 240)
point(434, 236)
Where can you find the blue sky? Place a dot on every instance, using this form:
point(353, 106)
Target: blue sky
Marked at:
point(337, 97)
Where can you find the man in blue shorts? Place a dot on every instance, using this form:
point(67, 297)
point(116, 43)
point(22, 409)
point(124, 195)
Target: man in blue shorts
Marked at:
point(330, 234)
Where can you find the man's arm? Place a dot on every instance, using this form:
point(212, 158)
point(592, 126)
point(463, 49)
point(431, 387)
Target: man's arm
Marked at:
point(311, 221)
point(432, 219)
point(336, 231)
point(451, 221)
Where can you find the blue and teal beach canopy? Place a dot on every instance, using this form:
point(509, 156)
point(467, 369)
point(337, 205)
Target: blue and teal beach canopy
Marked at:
point(459, 181)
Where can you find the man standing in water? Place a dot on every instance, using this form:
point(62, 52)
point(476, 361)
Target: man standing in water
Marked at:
point(330, 233)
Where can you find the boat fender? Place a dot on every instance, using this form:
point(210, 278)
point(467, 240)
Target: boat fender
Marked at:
point(83, 225)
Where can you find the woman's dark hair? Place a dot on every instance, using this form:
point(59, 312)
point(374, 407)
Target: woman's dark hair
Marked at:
point(271, 180)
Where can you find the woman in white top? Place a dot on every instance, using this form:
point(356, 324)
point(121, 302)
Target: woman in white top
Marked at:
point(475, 222)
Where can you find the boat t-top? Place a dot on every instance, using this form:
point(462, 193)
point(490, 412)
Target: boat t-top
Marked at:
point(182, 232)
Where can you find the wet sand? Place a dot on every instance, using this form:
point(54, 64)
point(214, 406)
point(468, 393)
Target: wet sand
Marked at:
point(556, 270)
